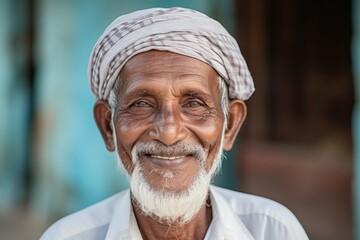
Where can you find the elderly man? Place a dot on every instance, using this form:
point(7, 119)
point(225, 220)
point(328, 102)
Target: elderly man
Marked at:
point(170, 86)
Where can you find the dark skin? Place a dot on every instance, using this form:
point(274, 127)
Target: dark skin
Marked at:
point(169, 98)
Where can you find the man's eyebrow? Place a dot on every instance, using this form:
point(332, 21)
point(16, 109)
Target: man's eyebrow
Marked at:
point(197, 94)
point(138, 93)
point(142, 92)
point(193, 93)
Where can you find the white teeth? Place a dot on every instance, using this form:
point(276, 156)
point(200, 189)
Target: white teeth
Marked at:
point(166, 157)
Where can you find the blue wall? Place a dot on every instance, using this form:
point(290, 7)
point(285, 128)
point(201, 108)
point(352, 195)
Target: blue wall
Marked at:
point(14, 96)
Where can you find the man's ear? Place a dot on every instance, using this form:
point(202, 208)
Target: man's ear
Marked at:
point(236, 117)
point(102, 115)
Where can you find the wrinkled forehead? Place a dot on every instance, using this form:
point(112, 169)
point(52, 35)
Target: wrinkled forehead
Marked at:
point(165, 62)
point(177, 30)
point(161, 68)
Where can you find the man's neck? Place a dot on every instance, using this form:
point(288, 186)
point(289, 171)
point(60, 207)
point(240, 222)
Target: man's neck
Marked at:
point(195, 229)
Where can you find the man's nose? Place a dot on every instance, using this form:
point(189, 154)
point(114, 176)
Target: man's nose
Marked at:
point(168, 126)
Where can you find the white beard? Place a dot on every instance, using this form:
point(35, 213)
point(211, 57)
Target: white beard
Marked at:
point(168, 206)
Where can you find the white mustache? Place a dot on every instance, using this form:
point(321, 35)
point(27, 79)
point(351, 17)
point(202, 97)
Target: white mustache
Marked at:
point(177, 149)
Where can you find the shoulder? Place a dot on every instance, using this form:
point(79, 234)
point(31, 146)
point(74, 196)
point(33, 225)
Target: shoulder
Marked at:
point(89, 223)
point(243, 203)
point(262, 216)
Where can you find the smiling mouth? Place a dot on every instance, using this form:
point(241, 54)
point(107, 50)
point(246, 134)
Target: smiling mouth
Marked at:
point(167, 157)
point(167, 161)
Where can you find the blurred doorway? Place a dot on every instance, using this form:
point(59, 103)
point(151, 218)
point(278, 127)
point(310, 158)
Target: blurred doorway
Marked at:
point(296, 145)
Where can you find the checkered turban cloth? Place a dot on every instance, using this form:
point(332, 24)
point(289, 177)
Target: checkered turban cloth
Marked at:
point(179, 30)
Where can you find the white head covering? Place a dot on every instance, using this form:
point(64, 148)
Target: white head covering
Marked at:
point(178, 30)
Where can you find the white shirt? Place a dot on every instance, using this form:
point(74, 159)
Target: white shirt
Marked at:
point(235, 216)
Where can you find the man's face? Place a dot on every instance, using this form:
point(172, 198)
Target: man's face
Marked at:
point(168, 99)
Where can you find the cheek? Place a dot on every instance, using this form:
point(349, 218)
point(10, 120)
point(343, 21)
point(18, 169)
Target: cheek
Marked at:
point(210, 131)
point(210, 135)
point(128, 132)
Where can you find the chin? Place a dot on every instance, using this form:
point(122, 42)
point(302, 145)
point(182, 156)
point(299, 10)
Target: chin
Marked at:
point(169, 180)
point(168, 205)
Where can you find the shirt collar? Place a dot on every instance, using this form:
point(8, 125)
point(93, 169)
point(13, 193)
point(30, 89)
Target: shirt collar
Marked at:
point(119, 227)
point(225, 224)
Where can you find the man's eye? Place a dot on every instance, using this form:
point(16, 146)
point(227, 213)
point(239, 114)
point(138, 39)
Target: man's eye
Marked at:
point(141, 103)
point(194, 104)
